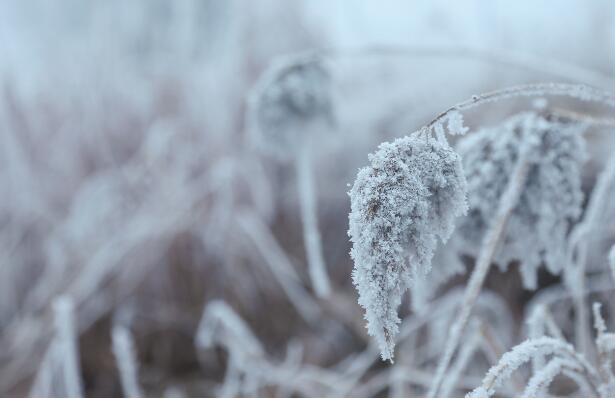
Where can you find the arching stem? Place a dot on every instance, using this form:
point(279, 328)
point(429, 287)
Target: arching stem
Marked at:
point(577, 91)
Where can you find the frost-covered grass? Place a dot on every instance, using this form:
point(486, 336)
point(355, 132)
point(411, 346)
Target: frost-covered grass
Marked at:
point(280, 199)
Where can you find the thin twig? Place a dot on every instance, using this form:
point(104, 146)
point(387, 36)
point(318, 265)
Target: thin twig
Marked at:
point(577, 91)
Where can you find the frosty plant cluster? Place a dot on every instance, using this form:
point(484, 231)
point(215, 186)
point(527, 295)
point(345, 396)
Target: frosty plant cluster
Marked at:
point(514, 191)
point(401, 205)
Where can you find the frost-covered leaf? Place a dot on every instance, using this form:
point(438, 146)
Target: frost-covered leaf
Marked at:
point(408, 197)
point(551, 199)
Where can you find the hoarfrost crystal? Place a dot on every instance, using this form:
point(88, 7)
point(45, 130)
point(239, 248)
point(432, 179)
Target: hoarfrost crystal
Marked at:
point(408, 197)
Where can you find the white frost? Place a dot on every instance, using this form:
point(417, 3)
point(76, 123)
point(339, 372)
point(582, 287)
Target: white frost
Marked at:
point(408, 197)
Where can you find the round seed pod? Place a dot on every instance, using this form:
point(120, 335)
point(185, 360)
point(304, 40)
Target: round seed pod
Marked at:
point(292, 100)
point(550, 201)
point(401, 204)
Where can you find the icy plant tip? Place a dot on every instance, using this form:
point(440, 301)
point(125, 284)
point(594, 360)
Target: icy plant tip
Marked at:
point(401, 204)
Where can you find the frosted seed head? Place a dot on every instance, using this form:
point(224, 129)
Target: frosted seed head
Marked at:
point(407, 198)
point(551, 199)
point(292, 99)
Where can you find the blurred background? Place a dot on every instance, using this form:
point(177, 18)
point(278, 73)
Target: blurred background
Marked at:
point(130, 181)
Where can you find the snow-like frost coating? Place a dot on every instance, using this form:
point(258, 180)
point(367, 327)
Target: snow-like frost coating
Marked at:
point(550, 201)
point(523, 353)
point(408, 197)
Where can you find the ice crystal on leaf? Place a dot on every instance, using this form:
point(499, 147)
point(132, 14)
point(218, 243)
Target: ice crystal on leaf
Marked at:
point(401, 204)
point(550, 200)
point(455, 123)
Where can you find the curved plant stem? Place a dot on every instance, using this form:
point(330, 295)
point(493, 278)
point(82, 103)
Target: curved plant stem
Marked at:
point(490, 242)
point(523, 352)
point(311, 235)
point(577, 91)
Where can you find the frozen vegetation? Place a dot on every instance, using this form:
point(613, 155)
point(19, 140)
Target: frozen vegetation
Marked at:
point(239, 198)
